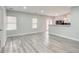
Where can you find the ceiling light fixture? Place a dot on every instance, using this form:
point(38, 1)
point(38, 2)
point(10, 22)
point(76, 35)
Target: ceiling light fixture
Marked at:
point(42, 11)
point(25, 7)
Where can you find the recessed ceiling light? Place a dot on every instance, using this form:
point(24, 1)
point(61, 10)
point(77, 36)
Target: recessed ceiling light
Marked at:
point(25, 7)
point(42, 11)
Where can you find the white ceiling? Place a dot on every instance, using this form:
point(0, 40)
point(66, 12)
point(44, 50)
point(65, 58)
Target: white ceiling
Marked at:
point(46, 10)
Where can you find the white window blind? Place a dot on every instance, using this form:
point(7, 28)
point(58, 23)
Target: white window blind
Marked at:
point(34, 23)
point(11, 23)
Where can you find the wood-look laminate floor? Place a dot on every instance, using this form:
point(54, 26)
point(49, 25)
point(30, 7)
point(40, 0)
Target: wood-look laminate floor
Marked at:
point(40, 43)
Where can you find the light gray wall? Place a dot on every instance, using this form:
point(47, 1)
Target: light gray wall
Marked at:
point(2, 26)
point(71, 31)
point(24, 23)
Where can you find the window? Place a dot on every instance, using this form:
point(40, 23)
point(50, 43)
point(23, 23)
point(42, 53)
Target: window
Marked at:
point(50, 21)
point(34, 23)
point(11, 23)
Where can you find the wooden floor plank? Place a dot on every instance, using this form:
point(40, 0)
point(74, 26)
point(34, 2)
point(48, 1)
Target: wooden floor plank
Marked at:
point(40, 43)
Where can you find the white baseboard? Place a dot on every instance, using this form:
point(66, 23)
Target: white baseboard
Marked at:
point(24, 34)
point(72, 38)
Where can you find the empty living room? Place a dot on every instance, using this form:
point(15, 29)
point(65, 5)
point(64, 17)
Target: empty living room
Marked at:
point(39, 29)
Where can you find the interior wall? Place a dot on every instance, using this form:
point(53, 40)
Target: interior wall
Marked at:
point(72, 31)
point(24, 23)
point(2, 26)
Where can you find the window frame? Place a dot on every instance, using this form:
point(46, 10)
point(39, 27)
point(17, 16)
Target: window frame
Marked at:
point(34, 23)
point(12, 23)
